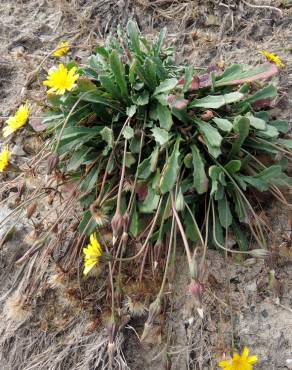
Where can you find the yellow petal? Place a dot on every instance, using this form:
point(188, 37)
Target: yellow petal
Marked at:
point(252, 359)
point(245, 352)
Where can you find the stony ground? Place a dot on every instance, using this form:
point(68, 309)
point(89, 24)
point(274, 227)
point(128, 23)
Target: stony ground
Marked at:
point(241, 306)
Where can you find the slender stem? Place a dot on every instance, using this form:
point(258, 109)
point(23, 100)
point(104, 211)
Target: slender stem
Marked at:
point(183, 235)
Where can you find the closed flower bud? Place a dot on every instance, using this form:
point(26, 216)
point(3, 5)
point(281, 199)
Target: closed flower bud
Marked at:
point(196, 290)
point(259, 253)
point(30, 210)
point(154, 311)
point(117, 224)
point(53, 161)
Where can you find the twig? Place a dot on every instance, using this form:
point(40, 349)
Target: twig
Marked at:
point(263, 7)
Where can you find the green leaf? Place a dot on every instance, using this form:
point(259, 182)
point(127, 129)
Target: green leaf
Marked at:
point(225, 215)
point(159, 42)
point(87, 224)
point(110, 86)
point(210, 133)
point(161, 136)
point(233, 166)
point(170, 171)
point(255, 122)
point(281, 125)
point(166, 86)
point(242, 125)
point(164, 117)
point(107, 135)
point(180, 202)
point(90, 180)
point(130, 159)
point(199, 175)
point(144, 169)
point(134, 35)
point(119, 73)
point(268, 92)
point(223, 124)
point(189, 72)
point(270, 132)
point(150, 73)
point(135, 223)
point(128, 132)
point(214, 172)
point(240, 237)
point(142, 98)
point(154, 159)
point(216, 101)
point(131, 111)
point(150, 203)
point(78, 158)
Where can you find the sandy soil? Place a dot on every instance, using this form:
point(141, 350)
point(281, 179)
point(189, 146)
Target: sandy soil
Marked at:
point(241, 305)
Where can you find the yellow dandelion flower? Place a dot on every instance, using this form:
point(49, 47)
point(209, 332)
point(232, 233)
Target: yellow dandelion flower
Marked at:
point(62, 49)
point(239, 362)
point(18, 120)
point(273, 58)
point(92, 253)
point(61, 79)
point(4, 158)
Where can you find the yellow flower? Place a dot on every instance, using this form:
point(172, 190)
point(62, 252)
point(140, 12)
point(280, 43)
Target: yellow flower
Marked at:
point(18, 120)
point(62, 49)
point(61, 79)
point(91, 254)
point(273, 58)
point(238, 362)
point(4, 158)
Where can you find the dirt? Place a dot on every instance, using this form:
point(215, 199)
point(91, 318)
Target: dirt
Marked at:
point(246, 302)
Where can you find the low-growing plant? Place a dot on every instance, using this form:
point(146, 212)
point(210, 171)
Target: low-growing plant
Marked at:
point(161, 152)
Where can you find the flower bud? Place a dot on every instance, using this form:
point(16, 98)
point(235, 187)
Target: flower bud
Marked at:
point(259, 253)
point(30, 210)
point(117, 225)
point(53, 161)
point(154, 311)
point(196, 290)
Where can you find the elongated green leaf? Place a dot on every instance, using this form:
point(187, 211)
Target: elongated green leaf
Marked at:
point(225, 215)
point(242, 125)
point(281, 125)
point(110, 86)
point(268, 92)
point(210, 133)
point(170, 171)
point(144, 169)
point(269, 132)
point(199, 175)
point(164, 117)
point(135, 223)
point(154, 159)
point(78, 158)
point(150, 203)
point(214, 172)
point(255, 122)
point(119, 73)
point(189, 72)
point(216, 101)
point(134, 35)
point(240, 237)
point(150, 73)
point(159, 42)
point(161, 136)
point(223, 124)
point(166, 86)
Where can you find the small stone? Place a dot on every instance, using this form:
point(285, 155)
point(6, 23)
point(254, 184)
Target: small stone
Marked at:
point(265, 313)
